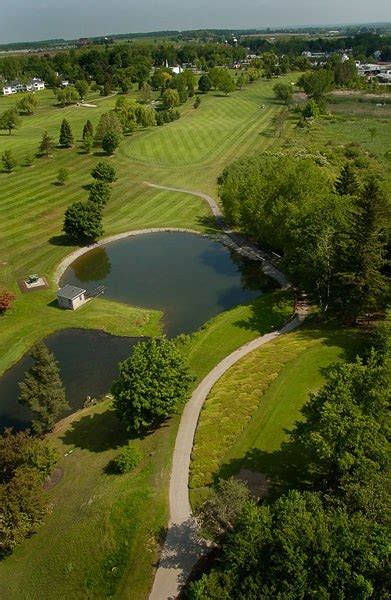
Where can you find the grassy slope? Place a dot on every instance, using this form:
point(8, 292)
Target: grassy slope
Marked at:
point(101, 536)
point(248, 412)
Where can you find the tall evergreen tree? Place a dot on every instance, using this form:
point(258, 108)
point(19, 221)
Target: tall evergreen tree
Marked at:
point(347, 184)
point(46, 145)
point(42, 390)
point(363, 251)
point(66, 135)
point(88, 129)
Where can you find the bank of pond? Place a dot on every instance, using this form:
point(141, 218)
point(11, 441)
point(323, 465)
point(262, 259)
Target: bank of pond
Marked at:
point(190, 278)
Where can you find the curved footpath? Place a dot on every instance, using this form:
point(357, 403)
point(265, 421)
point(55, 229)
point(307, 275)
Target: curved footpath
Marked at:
point(183, 547)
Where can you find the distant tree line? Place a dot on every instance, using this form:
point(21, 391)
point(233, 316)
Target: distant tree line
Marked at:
point(363, 45)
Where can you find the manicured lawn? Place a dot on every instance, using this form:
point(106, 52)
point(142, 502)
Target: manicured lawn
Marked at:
point(247, 414)
point(32, 206)
point(101, 538)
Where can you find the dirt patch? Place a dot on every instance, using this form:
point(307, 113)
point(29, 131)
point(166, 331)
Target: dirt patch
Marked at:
point(259, 485)
point(55, 478)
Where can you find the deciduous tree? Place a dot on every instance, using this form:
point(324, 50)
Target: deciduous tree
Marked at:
point(6, 300)
point(83, 222)
point(283, 92)
point(27, 104)
point(170, 98)
point(10, 120)
point(152, 383)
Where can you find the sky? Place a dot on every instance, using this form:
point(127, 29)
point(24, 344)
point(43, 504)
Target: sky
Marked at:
point(30, 20)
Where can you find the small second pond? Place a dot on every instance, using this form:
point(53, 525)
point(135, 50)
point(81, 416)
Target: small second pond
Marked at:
point(88, 363)
point(189, 277)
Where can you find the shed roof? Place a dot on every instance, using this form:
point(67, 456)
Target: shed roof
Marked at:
point(70, 292)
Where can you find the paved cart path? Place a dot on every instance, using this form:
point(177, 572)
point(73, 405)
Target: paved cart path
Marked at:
point(183, 547)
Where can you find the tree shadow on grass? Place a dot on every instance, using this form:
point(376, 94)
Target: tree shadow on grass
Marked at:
point(182, 548)
point(210, 224)
point(286, 468)
point(96, 432)
point(99, 432)
point(265, 316)
point(61, 240)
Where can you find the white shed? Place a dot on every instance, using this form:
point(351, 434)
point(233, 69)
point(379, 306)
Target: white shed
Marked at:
point(71, 297)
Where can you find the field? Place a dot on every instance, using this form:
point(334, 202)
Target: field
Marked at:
point(102, 536)
point(249, 411)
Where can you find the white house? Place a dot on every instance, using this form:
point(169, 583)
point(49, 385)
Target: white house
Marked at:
point(16, 86)
point(71, 297)
point(37, 84)
point(7, 90)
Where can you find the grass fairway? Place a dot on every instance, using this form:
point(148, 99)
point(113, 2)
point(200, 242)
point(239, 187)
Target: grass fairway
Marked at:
point(246, 416)
point(32, 206)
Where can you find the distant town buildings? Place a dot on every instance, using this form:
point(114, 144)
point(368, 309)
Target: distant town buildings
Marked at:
point(16, 86)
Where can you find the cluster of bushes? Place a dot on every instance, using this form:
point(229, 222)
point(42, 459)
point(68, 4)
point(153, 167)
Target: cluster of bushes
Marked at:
point(324, 533)
point(27, 461)
point(25, 464)
point(83, 220)
point(333, 235)
point(167, 116)
point(127, 459)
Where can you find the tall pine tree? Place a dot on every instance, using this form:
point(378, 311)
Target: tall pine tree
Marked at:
point(346, 184)
point(363, 250)
point(88, 130)
point(46, 145)
point(42, 390)
point(66, 135)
